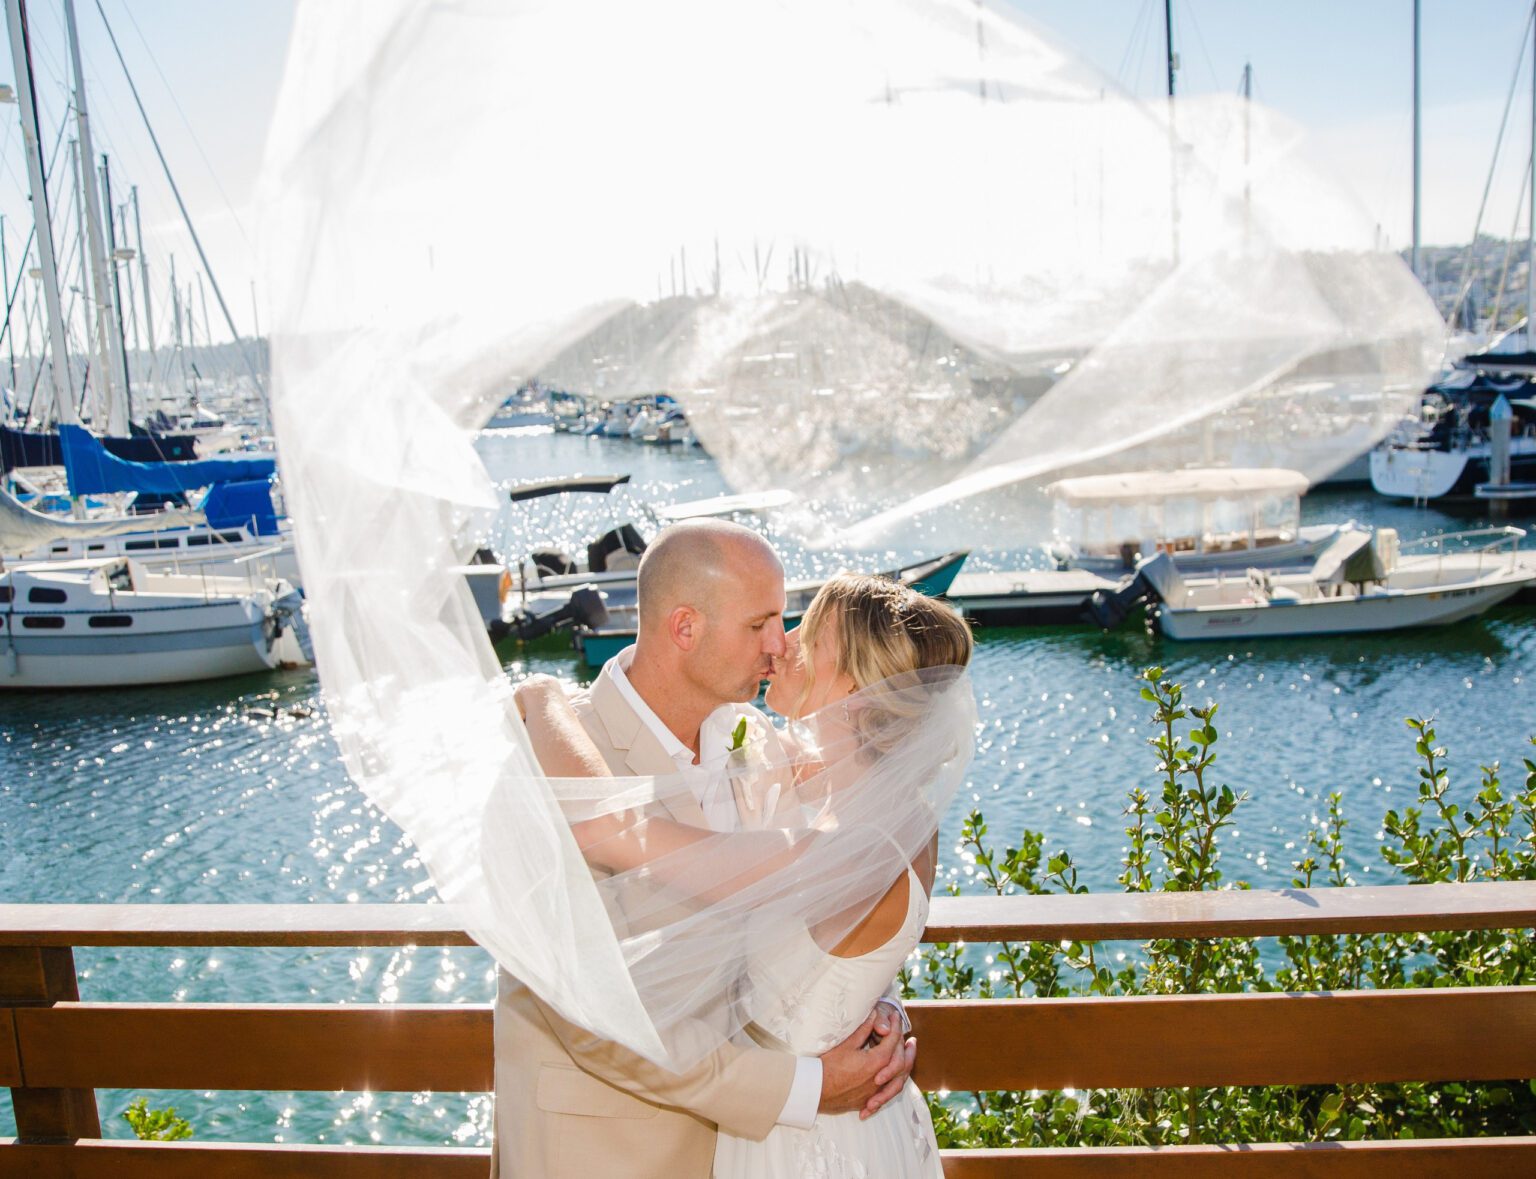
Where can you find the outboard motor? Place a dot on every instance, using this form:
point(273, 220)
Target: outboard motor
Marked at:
point(583, 608)
point(288, 612)
point(1107, 609)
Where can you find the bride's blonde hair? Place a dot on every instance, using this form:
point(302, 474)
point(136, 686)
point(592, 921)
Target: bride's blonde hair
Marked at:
point(884, 629)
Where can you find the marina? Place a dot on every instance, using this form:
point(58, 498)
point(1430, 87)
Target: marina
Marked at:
point(1202, 442)
point(232, 791)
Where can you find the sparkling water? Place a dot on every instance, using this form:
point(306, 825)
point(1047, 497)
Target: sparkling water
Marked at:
point(231, 791)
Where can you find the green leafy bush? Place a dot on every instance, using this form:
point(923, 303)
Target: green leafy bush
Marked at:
point(156, 1125)
point(1174, 845)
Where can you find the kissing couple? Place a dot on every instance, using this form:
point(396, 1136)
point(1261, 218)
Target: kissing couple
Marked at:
point(767, 883)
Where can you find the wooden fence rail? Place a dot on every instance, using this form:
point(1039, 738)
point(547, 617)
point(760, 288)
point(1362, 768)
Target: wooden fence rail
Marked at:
point(55, 1050)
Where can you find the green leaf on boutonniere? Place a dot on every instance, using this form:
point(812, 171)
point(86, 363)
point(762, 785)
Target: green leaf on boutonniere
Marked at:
point(739, 735)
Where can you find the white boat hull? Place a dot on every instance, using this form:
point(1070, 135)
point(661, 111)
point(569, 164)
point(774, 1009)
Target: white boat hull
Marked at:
point(1379, 609)
point(207, 642)
point(1416, 474)
point(113, 623)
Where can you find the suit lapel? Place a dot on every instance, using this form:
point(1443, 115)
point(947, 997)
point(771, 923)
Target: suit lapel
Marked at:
point(638, 750)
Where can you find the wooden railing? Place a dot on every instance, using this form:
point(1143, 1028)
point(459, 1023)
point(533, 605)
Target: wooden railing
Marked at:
point(56, 1050)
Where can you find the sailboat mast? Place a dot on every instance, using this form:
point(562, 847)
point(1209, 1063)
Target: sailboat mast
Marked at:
point(21, 58)
point(1247, 145)
point(119, 341)
point(1530, 245)
point(10, 333)
point(149, 310)
point(1173, 141)
point(96, 378)
point(1418, 143)
point(107, 330)
point(1168, 44)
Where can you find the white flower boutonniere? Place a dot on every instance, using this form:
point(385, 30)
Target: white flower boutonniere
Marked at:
point(747, 744)
point(747, 763)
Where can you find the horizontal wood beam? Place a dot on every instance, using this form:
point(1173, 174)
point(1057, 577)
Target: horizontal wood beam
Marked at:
point(1397, 908)
point(1085, 917)
point(232, 925)
point(1457, 1034)
point(1488, 1158)
point(1441, 1158)
point(395, 1047)
point(127, 1159)
point(1452, 1034)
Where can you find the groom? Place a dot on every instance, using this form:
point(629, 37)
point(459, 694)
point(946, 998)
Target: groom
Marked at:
point(711, 603)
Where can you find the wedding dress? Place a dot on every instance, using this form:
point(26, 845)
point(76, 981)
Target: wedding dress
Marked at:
point(808, 1015)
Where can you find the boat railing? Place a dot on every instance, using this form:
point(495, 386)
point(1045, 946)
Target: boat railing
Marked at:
point(1494, 547)
point(59, 1048)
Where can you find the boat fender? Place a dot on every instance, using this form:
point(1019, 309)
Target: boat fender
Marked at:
point(12, 663)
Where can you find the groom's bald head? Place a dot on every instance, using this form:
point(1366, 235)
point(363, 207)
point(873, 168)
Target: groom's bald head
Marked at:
point(711, 614)
point(695, 563)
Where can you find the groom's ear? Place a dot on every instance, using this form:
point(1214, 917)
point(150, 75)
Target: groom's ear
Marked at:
point(685, 625)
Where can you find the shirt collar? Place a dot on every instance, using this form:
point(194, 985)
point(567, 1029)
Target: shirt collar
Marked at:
point(675, 749)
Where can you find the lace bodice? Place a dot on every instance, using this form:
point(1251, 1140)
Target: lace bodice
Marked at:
point(808, 1013)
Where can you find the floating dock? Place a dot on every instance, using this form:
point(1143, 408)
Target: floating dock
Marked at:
point(1030, 597)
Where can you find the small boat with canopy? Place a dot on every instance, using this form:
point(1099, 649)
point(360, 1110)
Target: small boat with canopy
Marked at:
point(1202, 518)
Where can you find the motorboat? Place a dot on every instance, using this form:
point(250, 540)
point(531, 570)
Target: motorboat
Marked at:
point(1202, 518)
point(534, 596)
point(1362, 583)
point(114, 622)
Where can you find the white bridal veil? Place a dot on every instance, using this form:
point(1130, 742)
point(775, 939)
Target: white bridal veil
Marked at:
point(886, 251)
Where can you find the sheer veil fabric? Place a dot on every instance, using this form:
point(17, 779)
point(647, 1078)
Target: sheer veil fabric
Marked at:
point(851, 236)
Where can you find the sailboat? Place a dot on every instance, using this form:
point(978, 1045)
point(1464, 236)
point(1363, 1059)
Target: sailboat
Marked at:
point(1457, 453)
point(105, 396)
point(114, 622)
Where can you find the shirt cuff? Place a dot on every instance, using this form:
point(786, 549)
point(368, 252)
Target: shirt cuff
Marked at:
point(901, 1010)
point(804, 1095)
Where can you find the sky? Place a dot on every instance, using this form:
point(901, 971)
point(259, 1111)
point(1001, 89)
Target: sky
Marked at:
point(208, 74)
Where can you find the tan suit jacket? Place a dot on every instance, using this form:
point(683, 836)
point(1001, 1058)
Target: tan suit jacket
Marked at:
point(569, 1107)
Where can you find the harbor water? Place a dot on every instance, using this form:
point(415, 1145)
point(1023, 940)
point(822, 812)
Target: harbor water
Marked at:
point(232, 792)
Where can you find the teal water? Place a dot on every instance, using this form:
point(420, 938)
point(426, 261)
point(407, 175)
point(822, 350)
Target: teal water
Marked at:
point(231, 791)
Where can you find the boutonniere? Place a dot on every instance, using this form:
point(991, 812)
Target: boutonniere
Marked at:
point(738, 737)
point(746, 765)
point(746, 741)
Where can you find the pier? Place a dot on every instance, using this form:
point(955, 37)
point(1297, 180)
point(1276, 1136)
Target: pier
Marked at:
point(59, 1047)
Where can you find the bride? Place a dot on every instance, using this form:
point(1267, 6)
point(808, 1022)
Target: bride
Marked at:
point(854, 685)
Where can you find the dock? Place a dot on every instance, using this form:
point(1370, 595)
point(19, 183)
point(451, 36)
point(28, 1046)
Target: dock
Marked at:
point(1028, 597)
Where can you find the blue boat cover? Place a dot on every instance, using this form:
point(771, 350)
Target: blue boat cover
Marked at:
point(93, 471)
point(247, 502)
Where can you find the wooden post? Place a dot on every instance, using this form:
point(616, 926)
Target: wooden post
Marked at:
point(38, 976)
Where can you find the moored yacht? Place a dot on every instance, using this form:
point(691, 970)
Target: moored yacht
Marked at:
point(1448, 451)
point(113, 622)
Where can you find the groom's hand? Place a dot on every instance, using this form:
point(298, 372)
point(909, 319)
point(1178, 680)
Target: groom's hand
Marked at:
point(868, 1068)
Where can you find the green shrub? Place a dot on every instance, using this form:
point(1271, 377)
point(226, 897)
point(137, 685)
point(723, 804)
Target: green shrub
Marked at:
point(156, 1125)
point(1174, 845)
